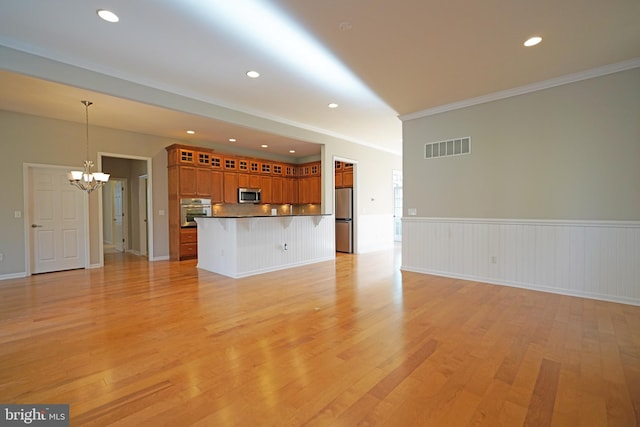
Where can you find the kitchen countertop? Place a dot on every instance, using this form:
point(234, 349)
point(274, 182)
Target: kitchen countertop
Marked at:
point(262, 216)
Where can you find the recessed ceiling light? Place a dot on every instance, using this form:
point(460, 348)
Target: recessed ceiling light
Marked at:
point(253, 74)
point(191, 132)
point(292, 151)
point(333, 105)
point(107, 15)
point(264, 146)
point(533, 41)
point(232, 140)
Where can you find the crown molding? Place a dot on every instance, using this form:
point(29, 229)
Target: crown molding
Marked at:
point(534, 87)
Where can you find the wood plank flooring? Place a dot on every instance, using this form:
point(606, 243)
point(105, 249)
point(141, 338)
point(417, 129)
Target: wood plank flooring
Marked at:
point(353, 342)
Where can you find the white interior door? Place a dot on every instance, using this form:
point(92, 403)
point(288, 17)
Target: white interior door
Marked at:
point(57, 213)
point(118, 215)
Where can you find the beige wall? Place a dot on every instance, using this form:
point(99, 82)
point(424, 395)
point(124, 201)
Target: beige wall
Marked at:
point(37, 140)
point(569, 152)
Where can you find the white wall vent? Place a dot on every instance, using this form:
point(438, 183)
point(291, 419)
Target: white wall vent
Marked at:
point(450, 147)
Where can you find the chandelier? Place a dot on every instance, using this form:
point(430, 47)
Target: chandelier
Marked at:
point(85, 179)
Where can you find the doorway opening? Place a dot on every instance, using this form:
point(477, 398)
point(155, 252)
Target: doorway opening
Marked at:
point(125, 216)
point(115, 208)
point(397, 205)
point(345, 202)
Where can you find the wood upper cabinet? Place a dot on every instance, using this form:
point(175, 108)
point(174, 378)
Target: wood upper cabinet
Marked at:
point(216, 161)
point(277, 190)
point(203, 159)
point(347, 178)
point(230, 163)
point(243, 165)
point(201, 172)
point(310, 190)
point(290, 191)
point(203, 182)
point(217, 187)
point(194, 182)
point(186, 181)
point(254, 181)
point(254, 166)
point(266, 185)
point(343, 174)
point(316, 190)
point(189, 156)
point(230, 187)
point(289, 171)
point(266, 167)
point(243, 180)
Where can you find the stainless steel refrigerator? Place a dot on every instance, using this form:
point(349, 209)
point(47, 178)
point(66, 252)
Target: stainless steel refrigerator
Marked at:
point(344, 220)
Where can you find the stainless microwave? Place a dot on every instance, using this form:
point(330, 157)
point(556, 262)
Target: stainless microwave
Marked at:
point(249, 195)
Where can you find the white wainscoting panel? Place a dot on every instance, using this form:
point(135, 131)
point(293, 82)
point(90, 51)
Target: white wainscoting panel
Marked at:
point(375, 232)
point(593, 259)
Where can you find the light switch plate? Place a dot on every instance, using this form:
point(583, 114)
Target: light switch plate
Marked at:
point(413, 211)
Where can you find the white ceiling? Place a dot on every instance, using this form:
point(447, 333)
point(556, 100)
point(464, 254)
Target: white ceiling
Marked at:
point(400, 57)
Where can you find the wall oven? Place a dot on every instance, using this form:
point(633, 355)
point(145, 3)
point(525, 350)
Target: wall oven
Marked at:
point(193, 208)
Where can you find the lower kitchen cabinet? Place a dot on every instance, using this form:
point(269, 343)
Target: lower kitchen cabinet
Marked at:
point(188, 243)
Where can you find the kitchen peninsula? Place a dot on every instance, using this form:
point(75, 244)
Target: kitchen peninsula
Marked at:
point(241, 246)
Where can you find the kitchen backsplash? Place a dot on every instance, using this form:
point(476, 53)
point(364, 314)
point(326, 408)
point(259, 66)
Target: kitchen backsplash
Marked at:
point(258, 209)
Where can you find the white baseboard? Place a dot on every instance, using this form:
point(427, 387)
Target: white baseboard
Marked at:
point(13, 276)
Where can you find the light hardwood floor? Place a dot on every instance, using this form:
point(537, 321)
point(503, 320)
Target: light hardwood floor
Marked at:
point(353, 342)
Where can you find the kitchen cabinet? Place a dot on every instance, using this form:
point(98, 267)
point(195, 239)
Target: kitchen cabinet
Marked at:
point(216, 161)
point(343, 174)
point(217, 187)
point(291, 191)
point(203, 182)
point(230, 163)
point(243, 180)
point(266, 167)
point(190, 176)
point(243, 165)
point(266, 185)
point(188, 243)
point(254, 181)
point(277, 190)
point(310, 190)
point(194, 182)
point(347, 178)
point(230, 187)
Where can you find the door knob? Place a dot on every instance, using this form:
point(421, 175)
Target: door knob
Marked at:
point(35, 226)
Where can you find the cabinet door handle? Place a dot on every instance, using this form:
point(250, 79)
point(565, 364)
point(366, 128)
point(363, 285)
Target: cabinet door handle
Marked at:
point(35, 226)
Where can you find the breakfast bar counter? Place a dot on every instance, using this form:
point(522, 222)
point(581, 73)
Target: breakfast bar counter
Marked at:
point(241, 246)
